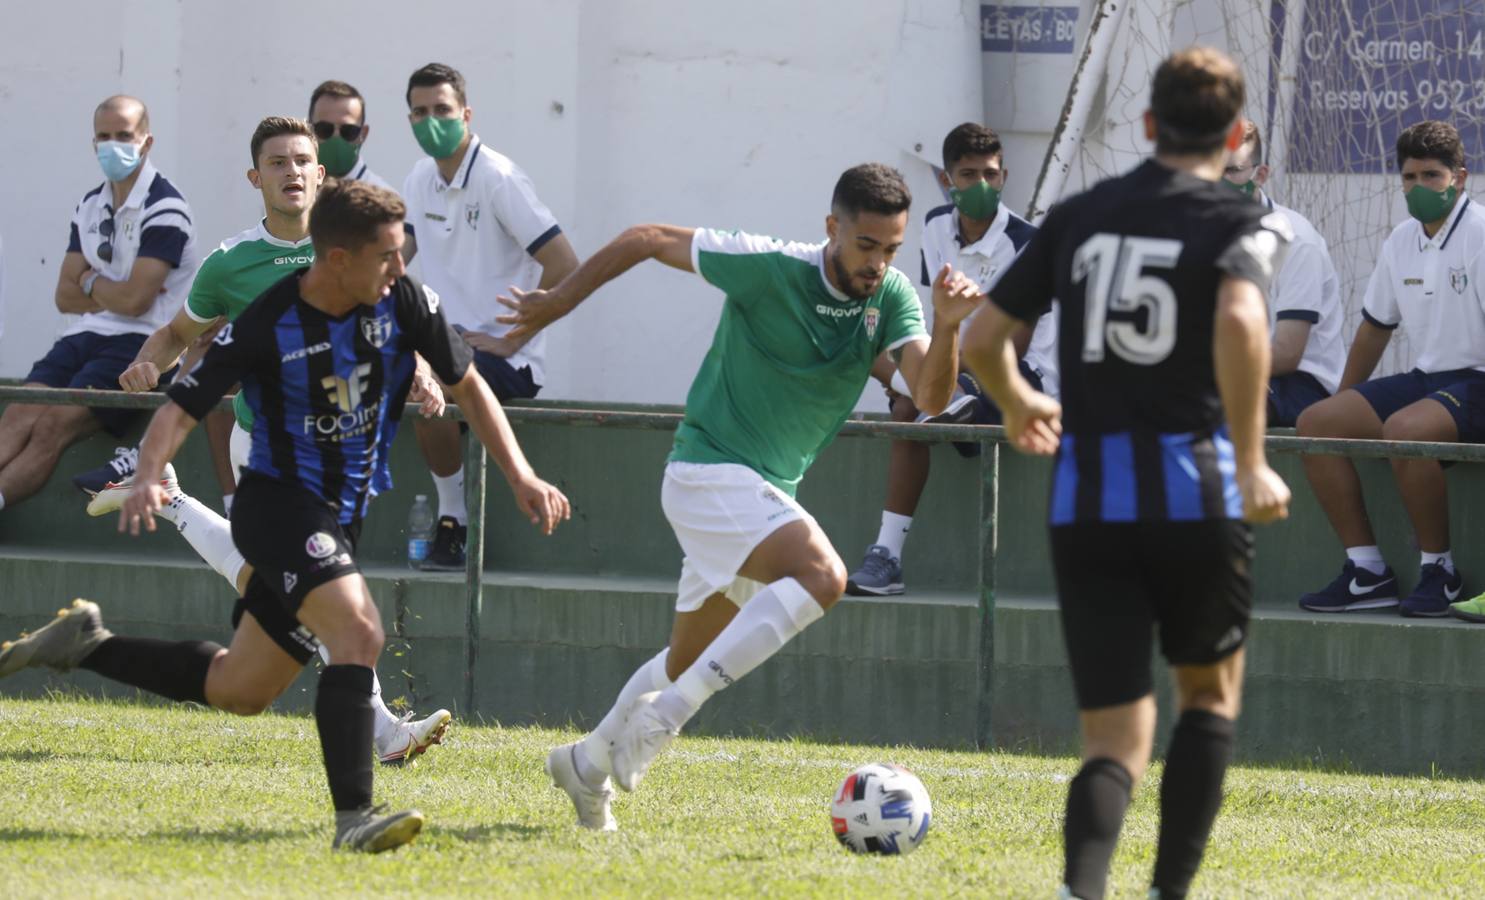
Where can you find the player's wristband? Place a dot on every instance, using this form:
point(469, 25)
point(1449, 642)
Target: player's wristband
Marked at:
point(900, 385)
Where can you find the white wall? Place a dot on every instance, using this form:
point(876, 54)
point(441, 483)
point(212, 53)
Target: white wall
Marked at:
point(735, 115)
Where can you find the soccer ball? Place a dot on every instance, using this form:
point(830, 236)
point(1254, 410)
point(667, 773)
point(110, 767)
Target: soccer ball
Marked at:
point(881, 809)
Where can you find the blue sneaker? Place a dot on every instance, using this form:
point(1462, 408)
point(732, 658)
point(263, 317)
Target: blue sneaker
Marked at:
point(1437, 588)
point(115, 470)
point(1355, 588)
point(880, 575)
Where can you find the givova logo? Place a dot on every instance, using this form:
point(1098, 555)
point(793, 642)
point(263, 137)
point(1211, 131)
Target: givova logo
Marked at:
point(346, 394)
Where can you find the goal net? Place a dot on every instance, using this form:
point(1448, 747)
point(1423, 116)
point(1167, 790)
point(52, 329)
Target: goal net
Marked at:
point(1331, 84)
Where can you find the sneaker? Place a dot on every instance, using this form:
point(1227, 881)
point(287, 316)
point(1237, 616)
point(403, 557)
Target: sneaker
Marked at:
point(594, 805)
point(1437, 588)
point(370, 830)
point(60, 644)
point(122, 466)
point(447, 552)
point(880, 574)
point(409, 738)
point(110, 497)
point(1355, 588)
point(1472, 610)
point(642, 739)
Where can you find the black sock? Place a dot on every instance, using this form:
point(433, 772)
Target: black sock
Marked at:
point(343, 714)
point(1096, 801)
point(173, 669)
point(1190, 796)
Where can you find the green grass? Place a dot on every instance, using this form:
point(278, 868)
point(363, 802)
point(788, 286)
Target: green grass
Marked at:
point(118, 799)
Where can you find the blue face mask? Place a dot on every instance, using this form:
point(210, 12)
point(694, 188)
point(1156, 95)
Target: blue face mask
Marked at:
point(118, 159)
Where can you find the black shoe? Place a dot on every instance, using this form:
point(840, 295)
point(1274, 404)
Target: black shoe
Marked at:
point(125, 460)
point(447, 554)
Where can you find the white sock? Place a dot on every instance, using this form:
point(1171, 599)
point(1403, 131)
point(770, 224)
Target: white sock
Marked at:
point(1369, 558)
point(209, 535)
point(451, 496)
point(894, 532)
point(592, 756)
point(1447, 558)
point(762, 628)
point(227, 503)
point(383, 719)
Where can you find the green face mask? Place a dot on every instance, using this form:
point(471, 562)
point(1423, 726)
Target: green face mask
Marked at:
point(1246, 189)
point(979, 201)
point(439, 138)
point(338, 155)
point(1430, 206)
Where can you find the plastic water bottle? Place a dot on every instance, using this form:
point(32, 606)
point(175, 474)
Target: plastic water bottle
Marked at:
point(419, 531)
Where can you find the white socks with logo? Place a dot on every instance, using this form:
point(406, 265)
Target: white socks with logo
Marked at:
point(1446, 559)
point(1368, 558)
point(770, 620)
point(451, 496)
point(894, 532)
point(209, 535)
point(593, 753)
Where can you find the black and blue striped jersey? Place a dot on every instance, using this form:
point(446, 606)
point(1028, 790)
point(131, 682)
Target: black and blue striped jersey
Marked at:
point(325, 392)
point(1135, 263)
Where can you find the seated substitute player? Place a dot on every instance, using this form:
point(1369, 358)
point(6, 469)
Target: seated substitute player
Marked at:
point(800, 328)
point(1160, 277)
point(1304, 304)
point(287, 174)
point(978, 236)
point(323, 357)
point(1429, 278)
point(129, 260)
point(475, 220)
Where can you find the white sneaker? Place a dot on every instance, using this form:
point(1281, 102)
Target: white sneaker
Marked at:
point(111, 498)
point(642, 739)
point(593, 805)
point(411, 738)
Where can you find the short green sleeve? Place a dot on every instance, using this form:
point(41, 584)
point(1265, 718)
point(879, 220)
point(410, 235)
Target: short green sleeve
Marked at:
point(206, 301)
point(741, 265)
point(902, 312)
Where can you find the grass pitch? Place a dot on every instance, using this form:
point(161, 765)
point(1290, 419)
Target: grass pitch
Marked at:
point(118, 799)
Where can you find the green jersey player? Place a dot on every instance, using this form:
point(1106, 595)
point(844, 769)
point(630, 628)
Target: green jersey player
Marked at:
point(287, 172)
point(800, 327)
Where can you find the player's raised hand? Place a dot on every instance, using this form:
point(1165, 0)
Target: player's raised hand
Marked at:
point(427, 393)
point(531, 311)
point(955, 297)
point(143, 502)
point(1265, 495)
point(542, 503)
point(1034, 425)
point(140, 377)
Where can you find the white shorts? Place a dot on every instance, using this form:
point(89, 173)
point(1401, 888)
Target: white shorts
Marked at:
point(720, 512)
point(239, 446)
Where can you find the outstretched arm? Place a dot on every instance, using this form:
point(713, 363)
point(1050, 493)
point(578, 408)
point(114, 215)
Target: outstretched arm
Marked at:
point(168, 429)
point(532, 311)
point(160, 351)
point(1033, 421)
point(931, 369)
point(541, 502)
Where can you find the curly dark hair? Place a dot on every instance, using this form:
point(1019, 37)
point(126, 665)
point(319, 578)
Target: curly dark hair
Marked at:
point(1431, 140)
point(870, 187)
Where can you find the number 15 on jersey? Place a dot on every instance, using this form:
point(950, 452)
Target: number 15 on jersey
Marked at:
point(1120, 278)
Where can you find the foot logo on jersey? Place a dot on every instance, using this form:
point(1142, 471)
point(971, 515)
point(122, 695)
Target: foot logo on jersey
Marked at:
point(319, 545)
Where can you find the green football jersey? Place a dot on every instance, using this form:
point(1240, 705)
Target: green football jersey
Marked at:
point(235, 274)
point(790, 357)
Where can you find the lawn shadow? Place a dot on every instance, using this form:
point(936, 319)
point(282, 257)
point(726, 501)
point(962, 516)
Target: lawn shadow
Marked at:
point(189, 835)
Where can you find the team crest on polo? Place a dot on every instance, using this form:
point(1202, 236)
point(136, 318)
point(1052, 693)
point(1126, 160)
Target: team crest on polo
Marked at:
point(1458, 280)
point(377, 330)
point(472, 214)
point(871, 322)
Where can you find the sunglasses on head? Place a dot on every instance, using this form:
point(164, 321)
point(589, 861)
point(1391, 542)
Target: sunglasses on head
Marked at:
point(326, 130)
point(105, 247)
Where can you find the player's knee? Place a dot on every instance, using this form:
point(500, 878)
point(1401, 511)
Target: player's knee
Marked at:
point(1214, 700)
point(903, 410)
point(825, 579)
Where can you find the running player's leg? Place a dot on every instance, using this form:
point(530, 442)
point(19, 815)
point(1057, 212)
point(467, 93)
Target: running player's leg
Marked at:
point(208, 533)
point(1204, 598)
point(1107, 623)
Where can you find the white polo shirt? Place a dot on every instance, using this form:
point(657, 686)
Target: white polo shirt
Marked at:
point(984, 262)
point(476, 239)
point(154, 221)
point(1308, 289)
point(1432, 287)
point(360, 172)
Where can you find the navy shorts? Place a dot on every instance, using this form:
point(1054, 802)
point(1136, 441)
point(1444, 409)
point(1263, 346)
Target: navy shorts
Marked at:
point(991, 413)
point(1291, 394)
point(505, 380)
point(89, 360)
point(1461, 391)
